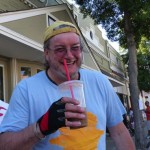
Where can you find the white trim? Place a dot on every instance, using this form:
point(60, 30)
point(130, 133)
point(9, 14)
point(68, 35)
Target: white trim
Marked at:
point(112, 79)
point(58, 2)
point(20, 38)
point(11, 16)
point(97, 50)
point(117, 69)
point(88, 51)
point(84, 66)
point(30, 4)
point(115, 80)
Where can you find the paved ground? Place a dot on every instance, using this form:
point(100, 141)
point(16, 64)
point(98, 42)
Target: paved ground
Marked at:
point(111, 146)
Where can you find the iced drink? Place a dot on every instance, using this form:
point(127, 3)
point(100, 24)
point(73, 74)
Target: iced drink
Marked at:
point(74, 89)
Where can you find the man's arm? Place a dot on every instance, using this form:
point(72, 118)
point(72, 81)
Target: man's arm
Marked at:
point(121, 137)
point(22, 140)
point(26, 138)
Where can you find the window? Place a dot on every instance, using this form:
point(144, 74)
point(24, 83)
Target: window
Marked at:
point(28, 68)
point(76, 18)
point(25, 72)
point(50, 20)
point(1, 84)
point(91, 35)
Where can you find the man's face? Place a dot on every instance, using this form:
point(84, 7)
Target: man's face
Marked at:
point(64, 46)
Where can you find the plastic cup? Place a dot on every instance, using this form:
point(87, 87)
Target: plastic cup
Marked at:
point(74, 89)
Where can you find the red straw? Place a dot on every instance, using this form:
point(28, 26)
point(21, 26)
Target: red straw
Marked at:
point(66, 69)
point(68, 77)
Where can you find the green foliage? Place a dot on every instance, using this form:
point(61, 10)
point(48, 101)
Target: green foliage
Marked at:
point(125, 58)
point(143, 60)
point(110, 14)
point(144, 71)
point(144, 46)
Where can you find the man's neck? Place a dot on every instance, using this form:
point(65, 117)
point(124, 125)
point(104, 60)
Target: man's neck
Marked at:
point(59, 81)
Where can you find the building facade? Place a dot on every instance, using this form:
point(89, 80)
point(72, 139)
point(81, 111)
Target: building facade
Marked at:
point(22, 24)
point(21, 48)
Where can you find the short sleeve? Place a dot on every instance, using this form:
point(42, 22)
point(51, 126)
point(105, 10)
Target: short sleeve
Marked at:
point(17, 114)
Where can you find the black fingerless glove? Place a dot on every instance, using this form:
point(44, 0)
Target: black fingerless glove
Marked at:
point(53, 119)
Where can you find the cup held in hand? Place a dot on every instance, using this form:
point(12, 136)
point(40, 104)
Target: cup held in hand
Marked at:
point(74, 89)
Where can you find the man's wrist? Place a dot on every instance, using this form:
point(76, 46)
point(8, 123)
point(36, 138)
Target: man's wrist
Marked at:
point(37, 132)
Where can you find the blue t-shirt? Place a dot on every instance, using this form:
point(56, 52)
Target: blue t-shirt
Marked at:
point(33, 96)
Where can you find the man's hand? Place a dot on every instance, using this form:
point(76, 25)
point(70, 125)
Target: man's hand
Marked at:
point(64, 112)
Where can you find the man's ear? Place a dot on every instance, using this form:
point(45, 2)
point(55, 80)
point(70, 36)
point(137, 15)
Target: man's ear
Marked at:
point(46, 51)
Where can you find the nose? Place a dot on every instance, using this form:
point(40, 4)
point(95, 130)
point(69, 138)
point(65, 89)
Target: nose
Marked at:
point(69, 53)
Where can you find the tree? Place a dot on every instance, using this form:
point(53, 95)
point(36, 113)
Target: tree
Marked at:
point(126, 21)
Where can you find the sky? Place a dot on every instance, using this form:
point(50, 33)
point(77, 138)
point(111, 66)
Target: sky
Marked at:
point(115, 45)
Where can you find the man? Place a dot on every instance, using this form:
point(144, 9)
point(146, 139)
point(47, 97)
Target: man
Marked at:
point(147, 111)
point(39, 118)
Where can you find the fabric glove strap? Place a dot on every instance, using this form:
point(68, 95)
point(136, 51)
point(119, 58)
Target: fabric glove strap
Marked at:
point(53, 119)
